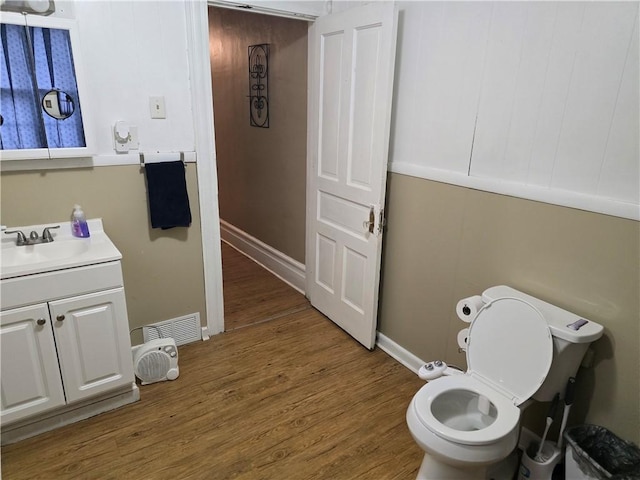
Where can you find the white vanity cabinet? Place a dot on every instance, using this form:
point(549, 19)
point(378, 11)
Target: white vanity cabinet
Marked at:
point(64, 336)
point(62, 352)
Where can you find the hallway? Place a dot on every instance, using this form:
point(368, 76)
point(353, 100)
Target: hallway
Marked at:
point(252, 294)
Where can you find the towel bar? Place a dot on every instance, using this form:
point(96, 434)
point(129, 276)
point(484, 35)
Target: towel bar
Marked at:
point(161, 157)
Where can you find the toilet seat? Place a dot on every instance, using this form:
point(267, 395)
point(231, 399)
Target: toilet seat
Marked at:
point(509, 354)
point(510, 348)
point(506, 419)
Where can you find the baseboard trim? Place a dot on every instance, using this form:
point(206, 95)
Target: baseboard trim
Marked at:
point(205, 334)
point(401, 354)
point(282, 266)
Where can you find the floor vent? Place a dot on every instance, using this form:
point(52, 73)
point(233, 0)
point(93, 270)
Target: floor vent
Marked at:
point(183, 330)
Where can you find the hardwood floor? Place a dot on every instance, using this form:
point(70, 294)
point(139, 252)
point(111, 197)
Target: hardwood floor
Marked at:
point(253, 294)
point(292, 398)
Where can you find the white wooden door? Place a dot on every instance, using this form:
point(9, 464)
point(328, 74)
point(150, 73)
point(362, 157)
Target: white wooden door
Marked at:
point(351, 67)
point(93, 342)
point(30, 377)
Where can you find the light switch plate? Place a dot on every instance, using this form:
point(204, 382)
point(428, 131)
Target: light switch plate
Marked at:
point(157, 108)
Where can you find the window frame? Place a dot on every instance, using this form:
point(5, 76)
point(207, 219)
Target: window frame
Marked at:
point(85, 101)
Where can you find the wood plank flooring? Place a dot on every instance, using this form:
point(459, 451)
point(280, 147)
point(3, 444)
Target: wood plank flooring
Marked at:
point(292, 398)
point(253, 294)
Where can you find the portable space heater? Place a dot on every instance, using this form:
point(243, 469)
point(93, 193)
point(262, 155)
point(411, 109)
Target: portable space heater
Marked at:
point(156, 360)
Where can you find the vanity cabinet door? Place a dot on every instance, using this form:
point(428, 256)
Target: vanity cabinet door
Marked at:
point(94, 348)
point(30, 376)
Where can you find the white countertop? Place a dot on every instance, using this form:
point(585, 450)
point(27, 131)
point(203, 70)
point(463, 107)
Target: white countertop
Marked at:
point(66, 251)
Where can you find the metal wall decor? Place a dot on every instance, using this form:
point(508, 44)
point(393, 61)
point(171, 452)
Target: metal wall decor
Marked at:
point(259, 85)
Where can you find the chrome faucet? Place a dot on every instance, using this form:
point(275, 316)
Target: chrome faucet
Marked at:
point(46, 234)
point(21, 240)
point(33, 239)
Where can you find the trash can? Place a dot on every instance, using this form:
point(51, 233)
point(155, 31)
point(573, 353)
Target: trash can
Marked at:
point(593, 452)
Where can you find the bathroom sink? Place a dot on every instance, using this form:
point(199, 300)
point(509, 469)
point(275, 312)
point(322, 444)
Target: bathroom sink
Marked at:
point(66, 251)
point(45, 252)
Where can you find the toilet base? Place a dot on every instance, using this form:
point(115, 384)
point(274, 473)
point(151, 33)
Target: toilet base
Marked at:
point(433, 469)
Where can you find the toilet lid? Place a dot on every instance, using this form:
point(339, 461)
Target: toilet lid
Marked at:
point(510, 346)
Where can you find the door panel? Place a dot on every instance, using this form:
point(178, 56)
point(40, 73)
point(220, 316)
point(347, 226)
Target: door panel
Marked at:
point(326, 261)
point(363, 108)
point(354, 274)
point(342, 214)
point(351, 64)
point(331, 92)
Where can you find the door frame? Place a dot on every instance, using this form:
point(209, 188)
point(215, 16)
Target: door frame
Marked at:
point(197, 28)
point(197, 25)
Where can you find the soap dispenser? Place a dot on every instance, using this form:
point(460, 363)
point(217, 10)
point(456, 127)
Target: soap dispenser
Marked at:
point(79, 227)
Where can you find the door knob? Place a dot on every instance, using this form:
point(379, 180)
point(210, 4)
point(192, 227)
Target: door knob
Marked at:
point(60, 318)
point(372, 220)
point(41, 321)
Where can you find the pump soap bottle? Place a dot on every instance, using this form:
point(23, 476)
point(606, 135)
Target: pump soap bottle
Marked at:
point(79, 227)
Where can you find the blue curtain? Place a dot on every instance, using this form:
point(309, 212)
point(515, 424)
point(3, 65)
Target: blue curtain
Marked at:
point(34, 61)
point(22, 125)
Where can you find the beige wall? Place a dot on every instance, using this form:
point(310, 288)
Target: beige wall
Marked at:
point(445, 242)
point(162, 269)
point(261, 171)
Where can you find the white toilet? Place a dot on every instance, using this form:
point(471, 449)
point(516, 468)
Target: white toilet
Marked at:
point(518, 348)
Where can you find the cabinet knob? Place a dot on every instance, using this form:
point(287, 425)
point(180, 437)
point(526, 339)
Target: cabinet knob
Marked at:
point(41, 321)
point(60, 318)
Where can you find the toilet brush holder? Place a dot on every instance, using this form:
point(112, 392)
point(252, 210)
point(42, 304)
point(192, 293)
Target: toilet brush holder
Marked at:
point(539, 468)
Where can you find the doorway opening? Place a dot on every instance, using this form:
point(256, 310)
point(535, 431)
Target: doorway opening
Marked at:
point(261, 171)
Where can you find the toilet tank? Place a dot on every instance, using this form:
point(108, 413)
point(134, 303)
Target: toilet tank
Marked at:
point(571, 335)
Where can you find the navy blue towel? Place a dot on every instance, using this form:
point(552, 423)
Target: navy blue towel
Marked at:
point(168, 198)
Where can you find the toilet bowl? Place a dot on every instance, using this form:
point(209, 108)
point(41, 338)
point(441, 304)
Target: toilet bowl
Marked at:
point(469, 421)
point(448, 422)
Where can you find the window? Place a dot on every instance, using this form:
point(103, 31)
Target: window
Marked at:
point(40, 107)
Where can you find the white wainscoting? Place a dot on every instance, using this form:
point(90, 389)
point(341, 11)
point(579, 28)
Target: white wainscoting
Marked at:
point(538, 96)
point(282, 266)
